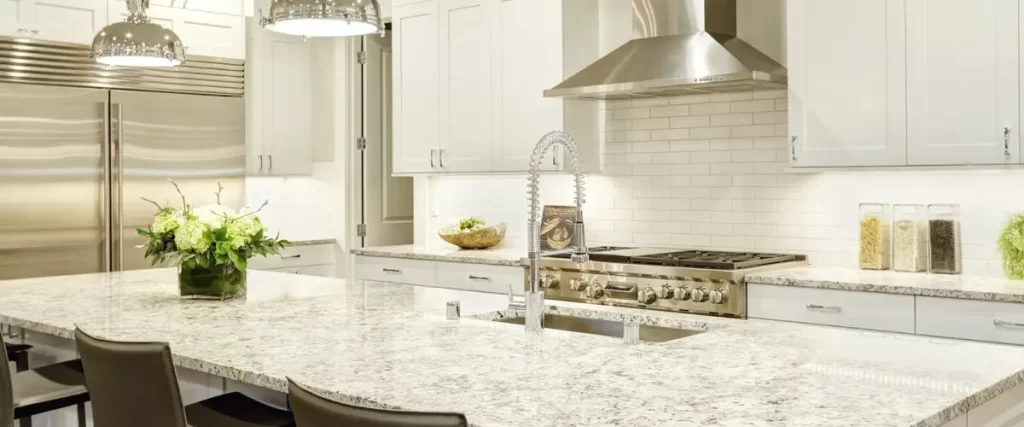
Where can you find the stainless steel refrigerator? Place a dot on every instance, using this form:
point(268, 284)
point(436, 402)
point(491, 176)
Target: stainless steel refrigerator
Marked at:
point(75, 162)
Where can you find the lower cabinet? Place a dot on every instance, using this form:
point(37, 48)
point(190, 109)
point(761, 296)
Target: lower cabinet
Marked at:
point(451, 275)
point(862, 310)
point(990, 321)
point(312, 260)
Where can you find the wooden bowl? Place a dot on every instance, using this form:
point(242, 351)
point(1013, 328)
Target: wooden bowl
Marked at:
point(487, 237)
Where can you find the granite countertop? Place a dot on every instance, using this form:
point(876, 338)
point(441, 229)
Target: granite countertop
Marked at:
point(892, 282)
point(499, 256)
point(308, 242)
point(391, 346)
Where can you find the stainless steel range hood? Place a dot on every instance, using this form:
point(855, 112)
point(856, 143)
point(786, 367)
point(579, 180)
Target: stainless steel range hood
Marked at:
point(680, 47)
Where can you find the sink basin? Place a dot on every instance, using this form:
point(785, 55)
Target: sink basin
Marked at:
point(603, 327)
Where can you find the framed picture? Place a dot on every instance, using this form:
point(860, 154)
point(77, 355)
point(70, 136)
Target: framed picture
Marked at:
point(556, 227)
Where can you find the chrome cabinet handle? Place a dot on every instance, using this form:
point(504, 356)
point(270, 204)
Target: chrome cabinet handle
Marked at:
point(792, 147)
point(392, 270)
point(440, 157)
point(120, 186)
point(291, 256)
point(1006, 142)
point(998, 322)
point(107, 244)
point(270, 162)
point(432, 158)
point(834, 308)
point(26, 30)
point(472, 277)
point(261, 164)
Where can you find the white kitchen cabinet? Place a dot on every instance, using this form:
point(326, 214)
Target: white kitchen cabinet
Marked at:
point(416, 84)
point(227, 7)
point(14, 18)
point(394, 270)
point(312, 260)
point(847, 83)
point(862, 310)
point(312, 270)
point(453, 275)
point(962, 82)
point(527, 60)
point(973, 320)
point(465, 85)
point(68, 21)
point(279, 104)
point(211, 34)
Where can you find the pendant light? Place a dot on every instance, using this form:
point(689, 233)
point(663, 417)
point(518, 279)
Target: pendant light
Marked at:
point(137, 42)
point(324, 18)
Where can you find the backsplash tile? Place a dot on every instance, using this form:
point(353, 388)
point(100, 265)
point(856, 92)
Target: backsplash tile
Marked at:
point(708, 171)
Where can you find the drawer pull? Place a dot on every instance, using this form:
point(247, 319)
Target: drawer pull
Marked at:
point(291, 256)
point(392, 270)
point(472, 277)
point(834, 308)
point(998, 322)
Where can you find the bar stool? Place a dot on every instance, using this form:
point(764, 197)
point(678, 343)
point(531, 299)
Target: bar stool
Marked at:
point(311, 410)
point(134, 384)
point(18, 353)
point(36, 391)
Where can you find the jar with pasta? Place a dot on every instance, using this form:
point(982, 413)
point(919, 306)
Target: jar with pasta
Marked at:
point(944, 239)
point(909, 238)
point(874, 236)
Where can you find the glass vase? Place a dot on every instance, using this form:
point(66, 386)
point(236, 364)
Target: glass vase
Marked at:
point(215, 282)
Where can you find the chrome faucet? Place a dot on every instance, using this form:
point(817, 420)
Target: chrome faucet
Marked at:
point(535, 296)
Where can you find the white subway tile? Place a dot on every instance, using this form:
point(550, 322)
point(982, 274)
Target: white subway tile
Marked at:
point(770, 168)
point(734, 96)
point(777, 244)
point(702, 145)
point(648, 170)
point(732, 242)
point(731, 168)
point(637, 135)
point(670, 111)
point(675, 181)
point(632, 159)
point(776, 193)
point(632, 204)
point(690, 169)
point(652, 215)
point(611, 237)
point(710, 133)
point(670, 204)
point(650, 102)
point(692, 216)
point(734, 217)
point(617, 147)
point(733, 193)
point(618, 170)
point(632, 113)
point(600, 225)
point(615, 214)
point(690, 99)
point(613, 137)
point(755, 130)
point(608, 159)
point(712, 181)
point(652, 147)
point(691, 240)
point(781, 104)
point(712, 108)
point(690, 122)
point(735, 119)
point(772, 117)
point(752, 106)
point(778, 218)
point(754, 156)
point(754, 205)
point(711, 157)
point(617, 104)
point(782, 155)
point(670, 134)
point(652, 238)
point(711, 228)
point(781, 130)
point(731, 144)
point(644, 124)
point(651, 192)
point(769, 94)
point(711, 204)
point(673, 158)
point(691, 192)
point(632, 226)
point(672, 227)
point(632, 181)
point(617, 125)
point(774, 142)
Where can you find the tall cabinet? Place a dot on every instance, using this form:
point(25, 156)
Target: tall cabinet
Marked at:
point(416, 85)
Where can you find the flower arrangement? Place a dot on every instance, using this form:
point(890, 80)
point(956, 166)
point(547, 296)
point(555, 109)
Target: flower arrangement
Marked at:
point(1011, 245)
point(210, 244)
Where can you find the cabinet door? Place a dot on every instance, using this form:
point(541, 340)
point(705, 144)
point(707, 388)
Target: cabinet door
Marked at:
point(227, 7)
point(166, 16)
point(68, 21)
point(14, 14)
point(847, 83)
point(465, 68)
point(287, 107)
point(528, 60)
point(416, 83)
point(962, 82)
point(211, 34)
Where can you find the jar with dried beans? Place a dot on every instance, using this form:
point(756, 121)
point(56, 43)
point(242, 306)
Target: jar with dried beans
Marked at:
point(944, 239)
point(909, 237)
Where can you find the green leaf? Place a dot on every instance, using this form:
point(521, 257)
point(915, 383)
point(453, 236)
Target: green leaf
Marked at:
point(240, 263)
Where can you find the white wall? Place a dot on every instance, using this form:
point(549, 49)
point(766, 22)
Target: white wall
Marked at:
point(711, 175)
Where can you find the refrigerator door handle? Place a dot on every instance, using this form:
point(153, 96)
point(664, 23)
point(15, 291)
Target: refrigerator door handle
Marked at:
point(107, 244)
point(118, 112)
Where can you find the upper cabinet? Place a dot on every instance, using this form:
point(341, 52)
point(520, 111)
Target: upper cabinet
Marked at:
point(904, 83)
point(202, 32)
point(962, 82)
point(469, 81)
point(847, 84)
point(68, 21)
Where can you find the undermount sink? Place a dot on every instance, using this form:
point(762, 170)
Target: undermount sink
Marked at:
point(608, 328)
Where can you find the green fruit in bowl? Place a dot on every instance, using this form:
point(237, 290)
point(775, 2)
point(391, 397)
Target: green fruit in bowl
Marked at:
point(471, 223)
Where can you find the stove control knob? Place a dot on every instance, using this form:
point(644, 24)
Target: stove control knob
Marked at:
point(719, 296)
point(549, 281)
point(682, 293)
point(647, 296)
point(595, 291)
point(665, 292)
point(577, 284)
point(699, 295)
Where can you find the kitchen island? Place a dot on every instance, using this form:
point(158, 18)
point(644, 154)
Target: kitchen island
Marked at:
point(390, 346)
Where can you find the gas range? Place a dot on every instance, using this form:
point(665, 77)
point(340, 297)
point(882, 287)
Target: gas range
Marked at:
point(682, 280)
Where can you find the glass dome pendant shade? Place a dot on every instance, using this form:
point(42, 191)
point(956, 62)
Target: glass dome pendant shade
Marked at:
point(137, 42)
point(324, 18)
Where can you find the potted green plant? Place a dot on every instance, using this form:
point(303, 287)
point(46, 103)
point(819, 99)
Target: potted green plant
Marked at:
point(211, 245)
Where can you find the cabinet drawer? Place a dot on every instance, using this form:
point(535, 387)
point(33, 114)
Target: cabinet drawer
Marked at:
point(973, 320)
point(864, 310)
point(395, 270)
point(296, 256)
point(325, 270)
point(482, 278)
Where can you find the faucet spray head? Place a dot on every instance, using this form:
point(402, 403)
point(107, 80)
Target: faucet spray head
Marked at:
point(580, 254)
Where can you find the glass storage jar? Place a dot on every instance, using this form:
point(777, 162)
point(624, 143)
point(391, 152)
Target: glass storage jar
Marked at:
point(944, 239)
point(909, 238)
point(875, 241)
